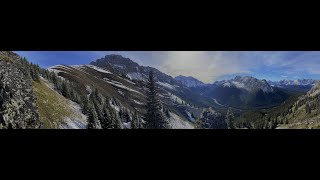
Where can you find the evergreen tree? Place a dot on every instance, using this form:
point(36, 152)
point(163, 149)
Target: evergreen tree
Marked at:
point(154, 118)
point(65, 89)
point(135, 121)
point(115, 121)
point(85, 108)
point(93, 121)
point(230, 118)
point(167, 113)
point(126, 117)
point(200, 124)
point(97, 101)
point(106, 120)
point(192, 115)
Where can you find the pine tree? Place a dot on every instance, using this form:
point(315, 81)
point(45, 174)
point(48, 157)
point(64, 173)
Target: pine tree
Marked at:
point(192, 115)
point(154, 118)
point(135, 121)
point(93, 121)
point(106, 117)
point(230, 118)
point(97, 101)
point(115, 121)
point(65, 89)
point(200, 124)
point(167, 113)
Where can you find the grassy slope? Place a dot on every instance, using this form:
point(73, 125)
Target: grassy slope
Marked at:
point(53, 108)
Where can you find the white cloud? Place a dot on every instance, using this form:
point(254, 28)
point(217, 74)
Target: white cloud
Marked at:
point(206, 66)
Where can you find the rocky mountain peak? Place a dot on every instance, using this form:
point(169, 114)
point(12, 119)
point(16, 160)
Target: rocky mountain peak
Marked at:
point(297, 82)
point(189, 81)
point(248, 83)
point(114, 60)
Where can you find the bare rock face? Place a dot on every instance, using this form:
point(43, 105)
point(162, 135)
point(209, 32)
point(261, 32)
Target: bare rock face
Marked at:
point(18, 109)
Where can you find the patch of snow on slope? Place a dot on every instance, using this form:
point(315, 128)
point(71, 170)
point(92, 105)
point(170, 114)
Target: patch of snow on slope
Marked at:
point(120, 85)
point(72, 124)
point(190, 116)
point(127, 80)
point(238, 85)
point(99, 69)
point(166, 85)
point(138, 102)
point(216, 101)
point(56, 72)
point(177, 123)
point(127, 125)
point(175, 98)
point(60, 67)
point(227, 84)
point(114, 106)
point(119, 66)
point(120, 92)
point(89, 90)
point(136, 76)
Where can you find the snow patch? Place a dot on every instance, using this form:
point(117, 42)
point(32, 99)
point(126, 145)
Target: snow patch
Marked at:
point(127, 125)
point(99, 69)
point(89, 90)
point(136, 76)
point(120, 85)
point(166, 85)
point(73, 124)
point(120, 92)
point(117, 108)
point(119, 66)
point(138, 102)
point(216, 101)
point(177, 122)
point(239, 85)
point(190, 116)
point(227, 84)
point(175, 98)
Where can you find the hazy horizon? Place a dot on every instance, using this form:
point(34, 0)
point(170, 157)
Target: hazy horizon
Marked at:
point(207, 66)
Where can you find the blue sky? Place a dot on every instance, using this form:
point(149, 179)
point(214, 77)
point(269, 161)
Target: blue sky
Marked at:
point(206, 66)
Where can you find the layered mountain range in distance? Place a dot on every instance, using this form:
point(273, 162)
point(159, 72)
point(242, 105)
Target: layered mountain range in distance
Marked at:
point(113, 92)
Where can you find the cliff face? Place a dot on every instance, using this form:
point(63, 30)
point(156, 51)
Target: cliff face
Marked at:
point(18, 109)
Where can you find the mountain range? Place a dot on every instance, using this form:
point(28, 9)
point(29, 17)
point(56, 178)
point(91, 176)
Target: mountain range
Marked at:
point(297, 82)
point(39, 103)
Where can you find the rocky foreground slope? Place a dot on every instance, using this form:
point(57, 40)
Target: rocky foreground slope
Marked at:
point(18, 107)
point(305, 112)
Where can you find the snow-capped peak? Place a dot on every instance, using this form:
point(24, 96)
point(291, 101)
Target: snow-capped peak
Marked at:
point(298, 82)
point(248, 83)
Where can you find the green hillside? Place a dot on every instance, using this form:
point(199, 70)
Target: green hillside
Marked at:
point(55, 111)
